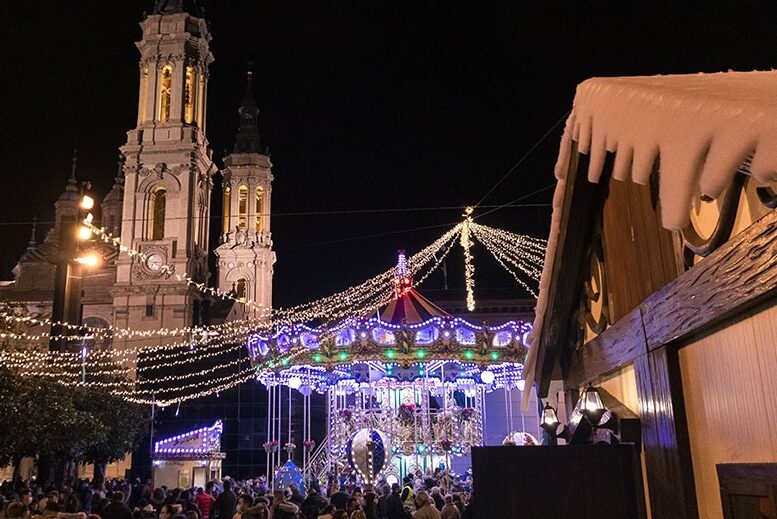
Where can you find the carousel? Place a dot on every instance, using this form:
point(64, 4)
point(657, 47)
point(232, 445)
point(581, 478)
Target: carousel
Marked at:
point(405, 388)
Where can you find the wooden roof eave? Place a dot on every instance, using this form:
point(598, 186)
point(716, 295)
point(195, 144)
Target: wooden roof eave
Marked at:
point(580, 202)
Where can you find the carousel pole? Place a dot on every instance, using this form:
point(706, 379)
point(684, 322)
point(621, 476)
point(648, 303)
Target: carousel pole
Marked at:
point(289, 440)
point(266, 451)
point(279, 415)
point(483, 412)
point(507, 413)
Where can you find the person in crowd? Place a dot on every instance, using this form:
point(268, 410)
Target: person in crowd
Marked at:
point(296, 495)
point(458, 502)
point(224, 506)
point(395, 508)
point(340, 514)
point(407, 491)
point(187, 502)
point(205, 500)
point(338, 497)
point(424, 507)
point(244, 502)
point(352, 505)
point(357, 514)
point(116, 509)
point(449, 510)
point(281, 508)
point(439, 502)
point(15, 510)
point(370, 506)
point(25, 497)
point(313, 505)
point(327, 512)
point(259, 510)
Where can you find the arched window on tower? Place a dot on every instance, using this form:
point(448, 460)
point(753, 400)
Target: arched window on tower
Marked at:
point(157, 220)
point(241, 288)
point(165, 93)
point(189, 95)
point(242, 207)
point(259, 208)
point(226, 211)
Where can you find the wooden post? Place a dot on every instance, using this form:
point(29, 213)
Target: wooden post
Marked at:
point(665, 435)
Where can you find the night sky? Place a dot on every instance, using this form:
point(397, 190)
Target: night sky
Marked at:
point(364, 105)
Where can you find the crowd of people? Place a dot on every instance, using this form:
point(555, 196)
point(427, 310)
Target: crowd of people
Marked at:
point(418, 497)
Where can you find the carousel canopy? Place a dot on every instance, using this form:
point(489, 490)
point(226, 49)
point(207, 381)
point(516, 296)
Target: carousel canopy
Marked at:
point(410, 308)
point(410, 337)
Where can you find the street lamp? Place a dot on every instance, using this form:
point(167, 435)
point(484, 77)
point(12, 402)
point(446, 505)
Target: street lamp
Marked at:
point(66, 305)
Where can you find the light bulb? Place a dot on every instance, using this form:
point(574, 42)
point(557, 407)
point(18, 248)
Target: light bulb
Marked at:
point(487, 377)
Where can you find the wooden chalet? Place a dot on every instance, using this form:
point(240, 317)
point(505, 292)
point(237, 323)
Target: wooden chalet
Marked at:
point(660, 281)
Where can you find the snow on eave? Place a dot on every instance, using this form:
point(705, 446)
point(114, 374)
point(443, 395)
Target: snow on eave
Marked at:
point(700, 128)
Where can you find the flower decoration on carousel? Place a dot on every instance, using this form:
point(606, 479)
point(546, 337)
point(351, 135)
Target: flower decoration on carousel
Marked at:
point(345, 414)
point(468, 413)
point(309, 445)
point(446, 445)
point(289, 447)
point(270, 446)
point(406, 412)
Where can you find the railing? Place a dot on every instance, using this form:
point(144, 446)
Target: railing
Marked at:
point(318, 463)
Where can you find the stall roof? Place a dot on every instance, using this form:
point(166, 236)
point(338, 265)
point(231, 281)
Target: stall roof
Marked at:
point(700, 127)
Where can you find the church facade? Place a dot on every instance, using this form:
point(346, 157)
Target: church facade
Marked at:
point(160, 203)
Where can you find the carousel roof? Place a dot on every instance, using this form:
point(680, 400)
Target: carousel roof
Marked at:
point(410, 308)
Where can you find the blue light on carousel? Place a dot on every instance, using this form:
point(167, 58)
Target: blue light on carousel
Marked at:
point(368, 452)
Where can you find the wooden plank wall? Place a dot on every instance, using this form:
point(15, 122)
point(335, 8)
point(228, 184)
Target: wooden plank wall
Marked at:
point(730, 385)
point(639, 255)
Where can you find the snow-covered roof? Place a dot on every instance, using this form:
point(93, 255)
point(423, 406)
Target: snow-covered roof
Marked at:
point(701, 127)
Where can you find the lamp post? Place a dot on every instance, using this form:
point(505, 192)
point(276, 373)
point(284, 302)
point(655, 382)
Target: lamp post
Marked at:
point(66, 304)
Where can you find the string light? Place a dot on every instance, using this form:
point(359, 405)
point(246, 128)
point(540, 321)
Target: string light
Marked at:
point(469, 268)
point(193, 344)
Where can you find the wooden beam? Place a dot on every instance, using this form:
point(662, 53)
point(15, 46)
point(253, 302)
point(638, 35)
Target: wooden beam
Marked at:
point(739, 274)
point(665, 435)
point(578, 210)
point(617, 345)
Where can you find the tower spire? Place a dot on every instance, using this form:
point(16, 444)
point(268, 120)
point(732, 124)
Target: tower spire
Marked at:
point(248, 140)
point(33, 239)
point(72, 182)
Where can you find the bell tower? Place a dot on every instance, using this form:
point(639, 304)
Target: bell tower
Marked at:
point(167, 174)
point(245, 256)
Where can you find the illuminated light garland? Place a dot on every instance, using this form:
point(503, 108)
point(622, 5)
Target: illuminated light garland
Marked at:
point(521, 252)
point(469, 267)
point(356, 301)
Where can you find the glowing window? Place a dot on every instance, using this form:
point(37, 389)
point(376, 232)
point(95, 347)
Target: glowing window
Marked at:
point(465, 336)
point(345, 337)
point(188, 95)
point(259, 208)
point(158, 203)
point(165, 93)
point(502, 339)
point(309, 340)
point(242, 207)
point(226, 214)
point(241, 287)
point(383, 336)
point(427, 335)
